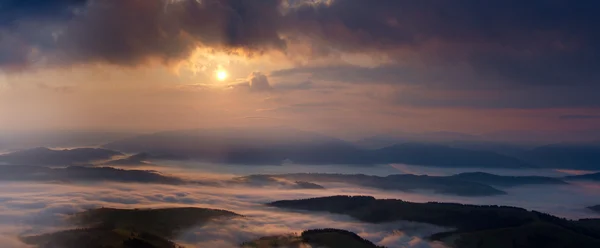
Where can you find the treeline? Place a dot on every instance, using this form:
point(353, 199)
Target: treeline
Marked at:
point(461, 216)
point(473, 224)
point(309, 236)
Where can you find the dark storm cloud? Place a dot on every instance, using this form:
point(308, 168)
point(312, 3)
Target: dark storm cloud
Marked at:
point(109, 31)
point(507, 42)
point(18, 10)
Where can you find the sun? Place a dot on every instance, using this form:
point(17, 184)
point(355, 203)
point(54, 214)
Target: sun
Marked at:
point(221, 75)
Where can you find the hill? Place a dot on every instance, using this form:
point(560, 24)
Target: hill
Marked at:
point(127, 228)
point(143, 158)
point(584, 177)
point(506, 181)
point(335, 238)
point(79, 173)
point(276, 145)
point(565, 156)
point(445, 156)
point(19, 140)
point(46, 156)
point(137, 159)
point(246, 146)
point(476, 226)
point(324, 238)
point(407, 182)
point(99, 238)
point(384, 140)
point(535, 234)
point(274, 181)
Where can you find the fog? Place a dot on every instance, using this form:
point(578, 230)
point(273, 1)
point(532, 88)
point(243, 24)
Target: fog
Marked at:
point(28, 208)
point(569, 201)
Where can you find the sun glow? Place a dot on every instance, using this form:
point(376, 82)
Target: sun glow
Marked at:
point(221, 75)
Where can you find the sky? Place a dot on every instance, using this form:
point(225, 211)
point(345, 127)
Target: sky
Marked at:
point(341, 67)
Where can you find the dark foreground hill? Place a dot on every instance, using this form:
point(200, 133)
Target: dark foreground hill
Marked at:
point(476, 226)
point(325, 238)
point(127, 228)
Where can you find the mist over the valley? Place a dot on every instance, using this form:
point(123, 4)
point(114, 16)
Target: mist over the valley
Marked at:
point(42, 188)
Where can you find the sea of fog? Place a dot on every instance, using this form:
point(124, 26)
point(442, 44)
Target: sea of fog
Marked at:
point(34, 208)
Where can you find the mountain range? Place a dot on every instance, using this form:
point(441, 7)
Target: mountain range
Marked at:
point(276, 146)
point(59, 157)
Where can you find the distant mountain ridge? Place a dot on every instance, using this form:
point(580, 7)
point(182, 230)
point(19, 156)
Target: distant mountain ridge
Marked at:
point(406, 182)
point(274, 146)
point(445, 156)
point(86, 174)
point(508, 181)
point(464, 184)
point(565, 156)
point(584, 177)
point(58, 157)
point(595, 208)
point(247, 146)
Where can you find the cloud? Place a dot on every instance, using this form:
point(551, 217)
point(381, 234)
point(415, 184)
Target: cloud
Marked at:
point(14, 11)
point(259, 82)
point(167, 31)
point(533, 42)
point(385, 74)
point(422, 54)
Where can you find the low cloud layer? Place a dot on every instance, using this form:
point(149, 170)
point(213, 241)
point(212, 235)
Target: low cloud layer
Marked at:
point(32, 208)
point(29, 209)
